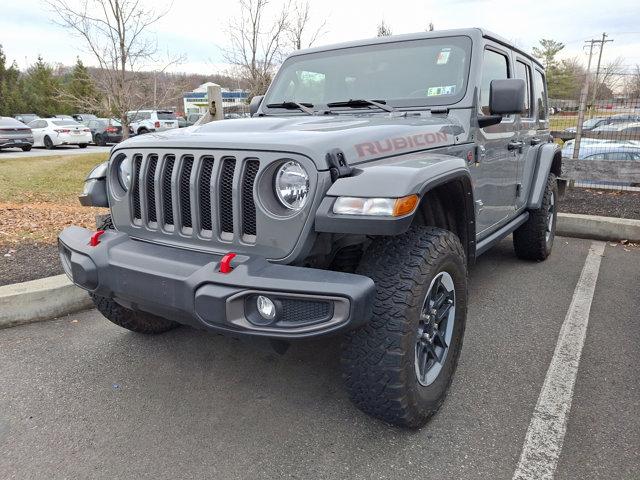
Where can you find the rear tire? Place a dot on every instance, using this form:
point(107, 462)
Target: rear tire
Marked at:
point(83, 145)
point(381, 366)
point(48, 144)
point(533, 240)
point(139, 322)
point(142, 131)
point(26, 149)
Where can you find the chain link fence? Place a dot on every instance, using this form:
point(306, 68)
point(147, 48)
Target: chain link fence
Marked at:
point(605, 152)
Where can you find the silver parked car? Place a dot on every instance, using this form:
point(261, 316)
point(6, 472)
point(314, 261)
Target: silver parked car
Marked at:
point(15, 134)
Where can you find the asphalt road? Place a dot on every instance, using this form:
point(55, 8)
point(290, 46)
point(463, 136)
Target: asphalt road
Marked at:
point(7, 153)
point(82, 398)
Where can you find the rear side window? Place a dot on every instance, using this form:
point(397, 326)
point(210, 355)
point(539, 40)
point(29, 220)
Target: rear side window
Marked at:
point(166, 116)
point(494, 67)
point(523, 71)
point(541, 95)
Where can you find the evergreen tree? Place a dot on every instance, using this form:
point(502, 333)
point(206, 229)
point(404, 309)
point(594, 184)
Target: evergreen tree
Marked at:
point(42, 89)
point(11, 88)
point(81, 88)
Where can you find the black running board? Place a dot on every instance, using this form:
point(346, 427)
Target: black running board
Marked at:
point(488, 242)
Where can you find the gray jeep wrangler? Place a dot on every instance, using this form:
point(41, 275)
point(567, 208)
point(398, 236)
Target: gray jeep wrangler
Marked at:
point(353, 202)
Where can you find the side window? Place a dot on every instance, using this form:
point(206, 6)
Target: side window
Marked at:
point(523, 71)
point(596, 156)
point(541, 95)
point(495, 66)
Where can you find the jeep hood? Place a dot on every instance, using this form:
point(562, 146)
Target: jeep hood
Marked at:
point(362, 137)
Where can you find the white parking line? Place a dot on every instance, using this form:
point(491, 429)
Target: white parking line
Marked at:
point(545, 435)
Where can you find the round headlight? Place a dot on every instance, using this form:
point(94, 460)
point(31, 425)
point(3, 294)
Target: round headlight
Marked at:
point(292, 185)
point(124, 173)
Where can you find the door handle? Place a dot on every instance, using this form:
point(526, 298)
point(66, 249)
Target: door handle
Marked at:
point(515, 145)
point(536, 141)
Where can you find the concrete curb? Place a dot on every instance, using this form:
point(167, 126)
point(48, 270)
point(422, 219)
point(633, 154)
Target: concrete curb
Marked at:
point(41, 299)
point(56, 296)
point(598, 228)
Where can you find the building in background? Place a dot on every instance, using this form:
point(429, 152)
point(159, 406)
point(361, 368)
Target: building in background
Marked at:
point(234, 101)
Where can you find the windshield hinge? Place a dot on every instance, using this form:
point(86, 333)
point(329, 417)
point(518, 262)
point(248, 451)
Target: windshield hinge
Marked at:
point(338, 166)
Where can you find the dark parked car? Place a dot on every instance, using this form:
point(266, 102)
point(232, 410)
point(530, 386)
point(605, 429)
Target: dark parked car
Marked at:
point(15, 134)
point(26, 117)
point(105, 130)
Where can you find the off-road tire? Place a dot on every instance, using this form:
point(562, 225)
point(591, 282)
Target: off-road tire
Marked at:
point(26, 149)
point(530, 239)
point(48, 144)
point(135, 321)
point(378, 359)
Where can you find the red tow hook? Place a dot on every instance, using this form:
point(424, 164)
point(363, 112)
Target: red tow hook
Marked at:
point(95, 238)
point(225, 263)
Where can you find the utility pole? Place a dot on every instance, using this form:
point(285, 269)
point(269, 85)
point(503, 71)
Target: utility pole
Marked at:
point(595, 84)
point(583, 102)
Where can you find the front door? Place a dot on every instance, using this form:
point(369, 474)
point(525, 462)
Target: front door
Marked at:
point(495, 172)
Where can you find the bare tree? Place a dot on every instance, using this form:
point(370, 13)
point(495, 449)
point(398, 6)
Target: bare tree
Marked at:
point(256, 43)
point(384, 30)
point(609, 79)
point(632, 83)
point(301, 33)
point(115, 32)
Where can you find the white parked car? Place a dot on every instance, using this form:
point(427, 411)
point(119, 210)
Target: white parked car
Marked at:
point(52, 132)
point(145, 121)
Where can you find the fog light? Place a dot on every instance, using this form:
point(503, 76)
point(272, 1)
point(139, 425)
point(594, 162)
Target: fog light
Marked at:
point(266, 307)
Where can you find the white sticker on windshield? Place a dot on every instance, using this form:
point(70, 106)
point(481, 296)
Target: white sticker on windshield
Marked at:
point(446, 90)
point(443, 56)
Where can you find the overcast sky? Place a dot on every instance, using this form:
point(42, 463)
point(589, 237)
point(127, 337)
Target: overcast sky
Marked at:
point(196, 27)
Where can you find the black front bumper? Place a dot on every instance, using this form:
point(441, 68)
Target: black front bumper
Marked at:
point(188, 287)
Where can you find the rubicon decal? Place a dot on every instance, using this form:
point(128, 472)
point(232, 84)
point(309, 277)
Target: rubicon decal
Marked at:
point(405, 142)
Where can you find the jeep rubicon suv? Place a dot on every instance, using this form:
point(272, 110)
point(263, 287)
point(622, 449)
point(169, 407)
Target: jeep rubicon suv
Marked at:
point(353, 202)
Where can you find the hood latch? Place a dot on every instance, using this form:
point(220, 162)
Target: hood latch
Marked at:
point(338, 166)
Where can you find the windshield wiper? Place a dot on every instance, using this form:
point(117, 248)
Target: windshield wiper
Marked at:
point(305, 107)
point(361, 102)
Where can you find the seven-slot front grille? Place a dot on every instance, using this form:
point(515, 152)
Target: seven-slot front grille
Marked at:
point(194, 195)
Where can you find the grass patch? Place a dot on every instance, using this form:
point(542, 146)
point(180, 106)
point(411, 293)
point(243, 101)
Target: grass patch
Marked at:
point(56, 179)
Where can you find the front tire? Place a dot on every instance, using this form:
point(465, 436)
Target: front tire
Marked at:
point(533, 240)
point(399, 366)
point(48, 144)
point(139, 322)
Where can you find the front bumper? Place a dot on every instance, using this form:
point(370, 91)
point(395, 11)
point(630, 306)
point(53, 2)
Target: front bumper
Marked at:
point(187, 286)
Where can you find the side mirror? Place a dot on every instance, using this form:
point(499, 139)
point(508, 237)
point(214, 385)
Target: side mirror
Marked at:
point(254, 105)
point(507, 96)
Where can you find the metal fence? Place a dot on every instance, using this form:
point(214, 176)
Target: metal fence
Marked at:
point(605, 152)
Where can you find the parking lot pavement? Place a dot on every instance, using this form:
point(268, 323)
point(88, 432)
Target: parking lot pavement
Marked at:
point(7, 153)
point(81, 398)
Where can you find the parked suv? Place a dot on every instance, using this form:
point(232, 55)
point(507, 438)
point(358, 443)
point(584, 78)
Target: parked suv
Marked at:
point(145, 121)
point(353, 203)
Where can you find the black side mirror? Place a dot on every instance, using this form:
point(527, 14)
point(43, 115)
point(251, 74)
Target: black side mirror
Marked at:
point(255, 104)
point(507, 96)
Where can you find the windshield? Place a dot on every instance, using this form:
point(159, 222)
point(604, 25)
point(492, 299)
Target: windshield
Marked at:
point(409, 73)
point(594, 122)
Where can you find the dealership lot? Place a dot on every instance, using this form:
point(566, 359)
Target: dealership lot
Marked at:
point(7, 153)
point(82, 398)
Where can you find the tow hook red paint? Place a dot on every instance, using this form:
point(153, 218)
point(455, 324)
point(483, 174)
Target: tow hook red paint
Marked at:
point(95, 238)
point(225, 263)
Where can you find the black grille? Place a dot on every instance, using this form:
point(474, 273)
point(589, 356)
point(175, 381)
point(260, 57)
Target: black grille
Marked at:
point(248, 205)
point(205, 193)
point(167, 203)
point(304, 311)
point(151, 188)
point(137, 185)
point(185, 192)
point(226, 195)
